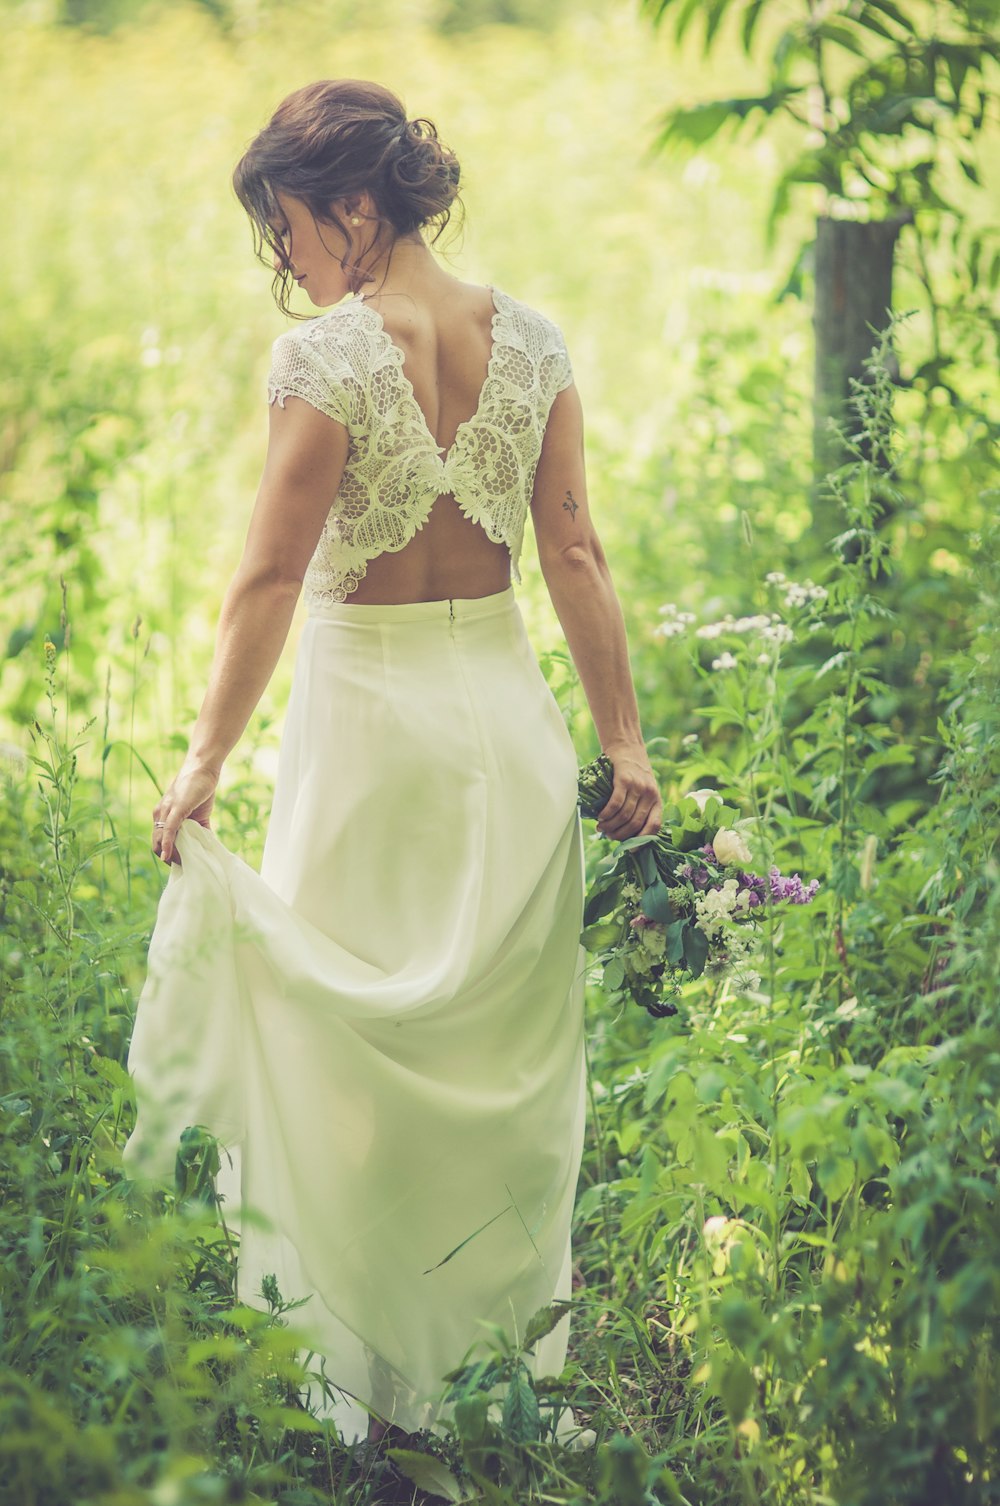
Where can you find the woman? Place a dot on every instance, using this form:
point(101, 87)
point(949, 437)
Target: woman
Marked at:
point(384, 1027)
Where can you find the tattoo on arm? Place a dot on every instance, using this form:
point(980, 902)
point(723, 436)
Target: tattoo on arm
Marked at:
point(571, 505)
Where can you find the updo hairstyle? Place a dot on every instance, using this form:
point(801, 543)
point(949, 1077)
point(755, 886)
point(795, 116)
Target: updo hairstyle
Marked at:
point(334, 138)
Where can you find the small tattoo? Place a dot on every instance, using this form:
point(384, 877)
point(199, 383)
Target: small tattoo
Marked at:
point(571, 506)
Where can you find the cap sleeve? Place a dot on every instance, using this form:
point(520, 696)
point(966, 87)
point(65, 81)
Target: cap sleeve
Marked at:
point(563, 367)
point(301, 368)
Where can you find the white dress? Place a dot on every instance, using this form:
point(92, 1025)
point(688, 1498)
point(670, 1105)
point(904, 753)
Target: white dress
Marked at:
point(384, 1027)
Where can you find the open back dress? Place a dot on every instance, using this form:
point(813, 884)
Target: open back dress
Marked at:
point(384, 1026)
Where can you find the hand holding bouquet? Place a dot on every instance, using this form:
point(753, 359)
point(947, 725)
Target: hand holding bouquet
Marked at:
point(669, 906)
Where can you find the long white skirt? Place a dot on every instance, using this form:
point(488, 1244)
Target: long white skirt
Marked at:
point(384, 1027)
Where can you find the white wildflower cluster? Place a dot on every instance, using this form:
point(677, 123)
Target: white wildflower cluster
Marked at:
point(716, 906)
point(768, 628)
point(778, 632)
point(796, 594)
point(674, 621)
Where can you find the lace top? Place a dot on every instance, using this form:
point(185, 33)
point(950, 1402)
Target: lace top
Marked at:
point(345, 364)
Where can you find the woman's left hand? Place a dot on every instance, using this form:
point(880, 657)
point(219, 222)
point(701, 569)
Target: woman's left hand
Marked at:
point(191, 793)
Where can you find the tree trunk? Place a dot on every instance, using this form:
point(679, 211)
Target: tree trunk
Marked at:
point(853, 291)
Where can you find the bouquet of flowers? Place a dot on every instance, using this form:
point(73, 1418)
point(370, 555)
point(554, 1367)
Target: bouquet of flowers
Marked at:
point(670, 906)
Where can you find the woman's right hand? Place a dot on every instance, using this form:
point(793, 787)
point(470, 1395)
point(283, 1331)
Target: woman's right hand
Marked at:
point(635, 808)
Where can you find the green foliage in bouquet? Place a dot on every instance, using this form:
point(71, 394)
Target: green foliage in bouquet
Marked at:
point(641, 879)
point(678, 902)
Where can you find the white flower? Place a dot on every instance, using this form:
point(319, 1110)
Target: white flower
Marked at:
point(715, 1227)
point(668, 629)
point(779, 632)
point(730, 847)
point(763, 658)
point(724, 661)
point(702, 796)
point(689, 739)
point(710, 630)
point(775, 577)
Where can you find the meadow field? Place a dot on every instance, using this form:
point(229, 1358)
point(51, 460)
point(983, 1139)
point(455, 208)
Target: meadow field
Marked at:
point(786, 1286)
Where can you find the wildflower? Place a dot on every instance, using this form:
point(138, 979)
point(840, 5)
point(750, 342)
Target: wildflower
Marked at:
point(701, 797)
point(689, 739)
point(775, 577)
point(724, 661)
point(791, 888)
point(779, 632)
point(669, 629)
point(730, 847)
point(710, 630)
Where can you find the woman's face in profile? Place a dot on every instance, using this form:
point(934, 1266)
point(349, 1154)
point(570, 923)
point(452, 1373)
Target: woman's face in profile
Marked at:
point(313, 252)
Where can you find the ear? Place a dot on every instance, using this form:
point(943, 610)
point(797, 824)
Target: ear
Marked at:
point(358, 203)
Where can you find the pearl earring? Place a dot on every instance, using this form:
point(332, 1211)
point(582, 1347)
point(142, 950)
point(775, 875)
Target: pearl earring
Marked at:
point(355, 220)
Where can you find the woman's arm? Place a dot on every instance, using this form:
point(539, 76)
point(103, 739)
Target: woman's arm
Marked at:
point(583, 594)
point(306, 454)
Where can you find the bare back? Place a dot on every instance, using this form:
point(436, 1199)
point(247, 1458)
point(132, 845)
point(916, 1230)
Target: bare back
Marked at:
point(446, 349)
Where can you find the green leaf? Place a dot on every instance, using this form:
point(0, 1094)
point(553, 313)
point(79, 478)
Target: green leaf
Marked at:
point(835, 1175)
point(114, 1073)
point(427, 1473)
point(471, 1417)
point(622, 1465)
point(750, 18)
point(614, 975)
point(656, 903)
point(602, 934)
point(675, 942)
point(736, 1388)
point(602, 898)
point(695, 949)
point(521, 1420)
point(841, 35)
point(543, 1322)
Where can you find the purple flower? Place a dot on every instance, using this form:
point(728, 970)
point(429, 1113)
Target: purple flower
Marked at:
point(700, 877)
point(791, 888)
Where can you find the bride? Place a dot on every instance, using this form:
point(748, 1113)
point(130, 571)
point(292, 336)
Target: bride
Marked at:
point(384, 1027)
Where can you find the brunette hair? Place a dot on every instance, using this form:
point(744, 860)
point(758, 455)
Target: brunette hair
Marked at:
point(334, 138)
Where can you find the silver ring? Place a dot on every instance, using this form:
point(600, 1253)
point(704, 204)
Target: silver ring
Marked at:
point(157, 823)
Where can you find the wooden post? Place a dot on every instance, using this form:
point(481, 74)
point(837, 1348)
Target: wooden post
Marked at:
point(853, 290)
